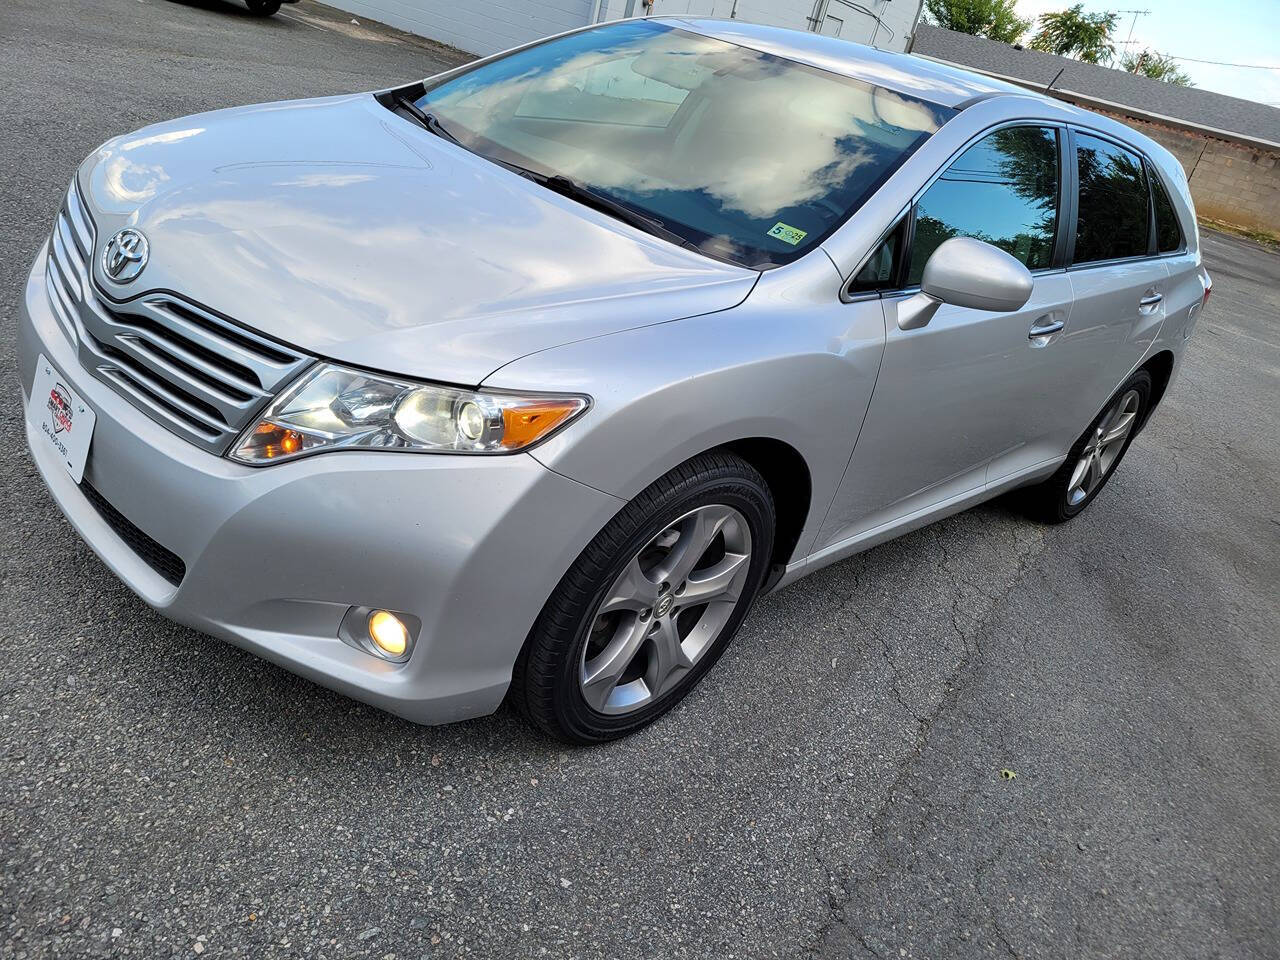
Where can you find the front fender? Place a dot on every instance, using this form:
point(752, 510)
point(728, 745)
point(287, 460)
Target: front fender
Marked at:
point(791, 363)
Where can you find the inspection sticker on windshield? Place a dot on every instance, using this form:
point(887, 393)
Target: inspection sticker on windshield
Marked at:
point(788, 234)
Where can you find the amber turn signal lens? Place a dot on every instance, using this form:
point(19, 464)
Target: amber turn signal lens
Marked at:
point(269, 441)
point(529, 422)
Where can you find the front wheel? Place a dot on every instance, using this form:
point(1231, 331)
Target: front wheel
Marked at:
point(650, 604)
point(263, 8)
point(1094, 457)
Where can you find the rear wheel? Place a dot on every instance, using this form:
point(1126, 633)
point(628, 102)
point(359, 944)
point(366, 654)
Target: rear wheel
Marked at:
point(1094, 457)
point(650, 605)
point(263, 8)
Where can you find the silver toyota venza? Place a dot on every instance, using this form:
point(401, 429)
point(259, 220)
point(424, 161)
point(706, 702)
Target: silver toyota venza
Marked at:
point(526, 380)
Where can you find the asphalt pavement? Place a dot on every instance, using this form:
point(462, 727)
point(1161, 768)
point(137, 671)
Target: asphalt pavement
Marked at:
point(834, 787)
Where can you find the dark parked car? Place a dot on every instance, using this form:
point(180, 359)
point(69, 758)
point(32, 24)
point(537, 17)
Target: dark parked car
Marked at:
point(265, 8)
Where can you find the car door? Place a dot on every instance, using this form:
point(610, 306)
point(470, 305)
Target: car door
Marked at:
point(970, 386)
point(1118, 282)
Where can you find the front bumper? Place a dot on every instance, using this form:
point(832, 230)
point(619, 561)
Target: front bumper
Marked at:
point(276, 556)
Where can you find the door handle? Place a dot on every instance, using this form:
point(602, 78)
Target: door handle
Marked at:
point(1151, 300)
point(1046, 325)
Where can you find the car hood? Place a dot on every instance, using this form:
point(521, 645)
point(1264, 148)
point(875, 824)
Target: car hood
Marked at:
point(345, 230)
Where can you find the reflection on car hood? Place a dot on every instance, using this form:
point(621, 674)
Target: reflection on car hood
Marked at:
point(341, 228)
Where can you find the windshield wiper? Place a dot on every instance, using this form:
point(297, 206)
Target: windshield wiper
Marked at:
point(568, 187)
point(558, 183)
point(427, 120)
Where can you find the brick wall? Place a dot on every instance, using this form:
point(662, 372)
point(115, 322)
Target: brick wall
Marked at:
point(1238, 185)
point(1229, 181)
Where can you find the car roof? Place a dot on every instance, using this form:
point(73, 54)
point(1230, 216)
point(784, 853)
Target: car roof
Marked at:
point(935, 82)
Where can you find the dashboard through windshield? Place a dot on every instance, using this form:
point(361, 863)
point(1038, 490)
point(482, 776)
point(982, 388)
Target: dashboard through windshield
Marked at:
point(747, 156)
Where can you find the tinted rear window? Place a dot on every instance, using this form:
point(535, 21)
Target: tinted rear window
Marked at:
point(1114, 220)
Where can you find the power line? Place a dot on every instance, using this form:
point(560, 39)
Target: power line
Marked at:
point(1227, 63)
point(1219, 63)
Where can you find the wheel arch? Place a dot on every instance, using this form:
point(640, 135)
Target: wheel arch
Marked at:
point(788, 476)
point(1160, 367)
point(790, 482)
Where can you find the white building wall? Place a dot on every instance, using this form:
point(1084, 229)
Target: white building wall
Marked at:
point(477, 26)
point(886, 23)
point(487, 26)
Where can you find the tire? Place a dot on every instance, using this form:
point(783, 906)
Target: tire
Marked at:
point(1066, 494)
point(612, 649)
point(263, 8)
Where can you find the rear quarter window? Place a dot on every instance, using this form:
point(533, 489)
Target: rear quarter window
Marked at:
point(1168, 233)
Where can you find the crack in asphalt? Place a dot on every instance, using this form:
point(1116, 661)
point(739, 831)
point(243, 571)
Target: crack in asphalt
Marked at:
point(984, 897)
point(954, 685)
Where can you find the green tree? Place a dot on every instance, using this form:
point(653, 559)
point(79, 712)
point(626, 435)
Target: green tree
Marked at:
point(993, 19)
point(1074, 33)
point(1155, 65)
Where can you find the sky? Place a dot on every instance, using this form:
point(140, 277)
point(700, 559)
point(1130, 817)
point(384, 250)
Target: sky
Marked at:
point(1237, 31)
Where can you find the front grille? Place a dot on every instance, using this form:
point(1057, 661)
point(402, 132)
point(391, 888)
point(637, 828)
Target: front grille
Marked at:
point(196, 373)
point(160, 559)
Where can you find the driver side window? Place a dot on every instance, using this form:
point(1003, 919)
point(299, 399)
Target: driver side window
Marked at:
point(1003, 190)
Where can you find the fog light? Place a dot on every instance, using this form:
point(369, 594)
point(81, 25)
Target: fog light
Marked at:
point(388, 633)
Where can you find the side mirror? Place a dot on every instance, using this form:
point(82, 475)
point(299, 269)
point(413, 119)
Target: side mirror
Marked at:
point(967, 273)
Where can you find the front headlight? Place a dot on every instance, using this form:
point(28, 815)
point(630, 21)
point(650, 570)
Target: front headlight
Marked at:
point(337, 408)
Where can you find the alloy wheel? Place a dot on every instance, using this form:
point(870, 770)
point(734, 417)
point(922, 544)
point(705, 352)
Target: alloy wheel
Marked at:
point(665, 609)
point(1104, 447)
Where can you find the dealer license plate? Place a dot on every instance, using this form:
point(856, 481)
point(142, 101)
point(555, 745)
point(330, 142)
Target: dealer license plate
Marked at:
point(61, 419)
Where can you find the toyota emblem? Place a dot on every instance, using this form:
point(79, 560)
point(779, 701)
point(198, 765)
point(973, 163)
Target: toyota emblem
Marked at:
point(125, 256)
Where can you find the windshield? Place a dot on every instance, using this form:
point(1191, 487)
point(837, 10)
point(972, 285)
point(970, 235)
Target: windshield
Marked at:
point(749, 157)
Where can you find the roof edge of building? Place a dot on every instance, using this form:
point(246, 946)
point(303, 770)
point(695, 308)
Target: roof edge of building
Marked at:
point(1086, 99)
